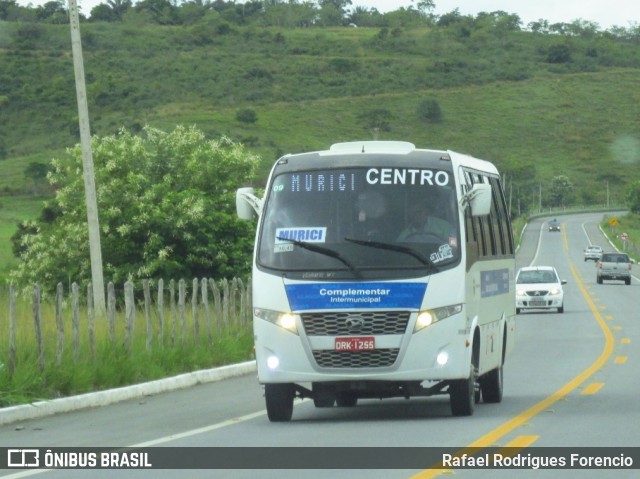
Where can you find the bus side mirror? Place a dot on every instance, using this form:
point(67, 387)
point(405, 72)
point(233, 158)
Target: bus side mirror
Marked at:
point(478, 199)
point(248, 205)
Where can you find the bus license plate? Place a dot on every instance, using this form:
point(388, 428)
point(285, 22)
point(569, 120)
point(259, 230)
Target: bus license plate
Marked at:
point(355, 343)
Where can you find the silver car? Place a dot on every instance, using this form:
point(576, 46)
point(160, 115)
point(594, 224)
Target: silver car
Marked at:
point(613, 266)
point(593, 253)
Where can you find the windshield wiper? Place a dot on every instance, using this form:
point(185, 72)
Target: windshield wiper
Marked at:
point(324, 251)
point(400, 249)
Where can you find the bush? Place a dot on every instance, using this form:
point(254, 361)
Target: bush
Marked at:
point(246, 115)
point(429, 111)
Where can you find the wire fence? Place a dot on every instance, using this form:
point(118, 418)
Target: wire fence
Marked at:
point(172, 314)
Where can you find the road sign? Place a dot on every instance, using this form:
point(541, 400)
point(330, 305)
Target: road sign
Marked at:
point(624, 236)
point(613, 222)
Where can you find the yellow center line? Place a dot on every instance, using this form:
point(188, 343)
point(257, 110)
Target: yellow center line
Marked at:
point(592, 388)
point(493, 436)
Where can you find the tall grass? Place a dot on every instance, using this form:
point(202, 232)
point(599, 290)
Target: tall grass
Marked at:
point(108, 365)
point(13, 210)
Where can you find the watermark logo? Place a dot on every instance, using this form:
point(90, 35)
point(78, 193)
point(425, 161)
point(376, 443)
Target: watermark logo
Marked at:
point(23, 458)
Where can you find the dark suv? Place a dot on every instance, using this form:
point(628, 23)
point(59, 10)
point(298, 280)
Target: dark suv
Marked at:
point(615, 266)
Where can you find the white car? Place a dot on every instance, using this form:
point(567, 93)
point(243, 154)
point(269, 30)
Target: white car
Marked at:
point(539, 287)
point(593, 252)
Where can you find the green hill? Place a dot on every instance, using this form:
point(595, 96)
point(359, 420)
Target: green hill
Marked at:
point(538, 105)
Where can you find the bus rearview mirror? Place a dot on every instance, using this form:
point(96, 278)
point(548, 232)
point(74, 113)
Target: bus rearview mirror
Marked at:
point(248, 205)
point(479, 199)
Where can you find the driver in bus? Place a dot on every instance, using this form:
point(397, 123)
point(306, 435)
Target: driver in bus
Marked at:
point(424, 223)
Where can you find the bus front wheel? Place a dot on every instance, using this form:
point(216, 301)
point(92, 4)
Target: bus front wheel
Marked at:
point(279, 401)
point(462, 395)
point(491, 385)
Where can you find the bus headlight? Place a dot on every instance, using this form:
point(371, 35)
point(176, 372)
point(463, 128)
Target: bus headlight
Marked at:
point(430, 316)
point(284, 320)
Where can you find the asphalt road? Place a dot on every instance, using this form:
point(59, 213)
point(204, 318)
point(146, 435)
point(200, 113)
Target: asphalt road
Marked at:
point(571, 382)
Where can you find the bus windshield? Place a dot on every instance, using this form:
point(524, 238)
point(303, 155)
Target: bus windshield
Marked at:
point(360, 222)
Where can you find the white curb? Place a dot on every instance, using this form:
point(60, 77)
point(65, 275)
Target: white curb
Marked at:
point(103, 398)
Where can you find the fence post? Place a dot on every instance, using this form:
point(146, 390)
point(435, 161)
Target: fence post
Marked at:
point(174, 315)
point(38, 325)
point(147, 312)
point(243, 306)
point(194, 310)
point(130, 312)
point(225, 301)
point(182, 293)
point(217, 309)
point(161, 311)
point(207, 311)
point(12, 330)
point(59, 323)
point(75, 300)
point(111, 312)
point(249, 318)
point(91, 316)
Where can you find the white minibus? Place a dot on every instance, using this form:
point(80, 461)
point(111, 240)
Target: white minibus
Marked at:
point(381, 270)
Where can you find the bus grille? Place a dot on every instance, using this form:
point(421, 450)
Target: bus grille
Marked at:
point(355, 359)
point(361, 323)
point(355, 323)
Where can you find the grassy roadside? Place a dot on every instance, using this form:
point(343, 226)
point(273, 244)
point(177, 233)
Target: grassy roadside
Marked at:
point(70, 365)
point(13, 210)
point(629, 224)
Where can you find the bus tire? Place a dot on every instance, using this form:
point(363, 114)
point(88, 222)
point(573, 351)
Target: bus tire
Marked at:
point(491, 385)
point(462, 394)
point(279, 401)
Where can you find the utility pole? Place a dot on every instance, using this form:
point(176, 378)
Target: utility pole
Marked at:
point(95, 249)
point(540, 198)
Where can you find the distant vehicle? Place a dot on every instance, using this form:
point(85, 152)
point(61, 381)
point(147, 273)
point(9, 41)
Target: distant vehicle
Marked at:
point(613, 266)
point(539, 287)
point(554, 225)
point(593, 253)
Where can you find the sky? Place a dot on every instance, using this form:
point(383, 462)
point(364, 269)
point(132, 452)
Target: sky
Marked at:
point(606, 13)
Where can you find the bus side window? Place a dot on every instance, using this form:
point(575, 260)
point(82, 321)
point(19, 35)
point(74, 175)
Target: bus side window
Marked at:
point(472, 228)
point(500, 213)
point(480, 227)
point(473, 250)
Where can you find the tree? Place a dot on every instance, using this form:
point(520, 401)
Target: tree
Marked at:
point(560, 190)
point(633, 197)
point(37, 173)
point(5, 7)
point(166, 204)
point(429, 110)
point(376, 121)
point(3, 148)
point(53, 12)
point(162, 12)
point(112, 11)
point(246, 115)
point(559, 53)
